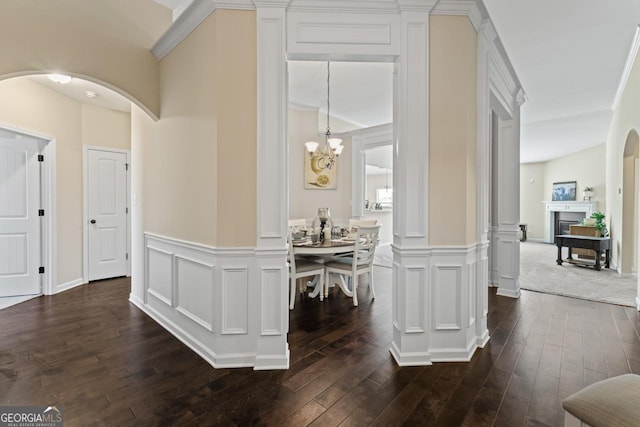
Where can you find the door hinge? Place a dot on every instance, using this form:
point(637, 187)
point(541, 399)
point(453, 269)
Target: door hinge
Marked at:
point(40, 212)
point(40, 158)
point(126, 166)
point(126, 210)
point(41, 270)
point(126, 256)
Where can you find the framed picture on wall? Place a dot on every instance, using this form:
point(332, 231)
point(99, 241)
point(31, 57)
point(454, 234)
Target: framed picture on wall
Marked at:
point(564, 191)
point(320, 171)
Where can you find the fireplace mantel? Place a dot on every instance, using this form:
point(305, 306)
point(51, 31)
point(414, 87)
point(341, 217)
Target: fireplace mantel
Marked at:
point(588, 207)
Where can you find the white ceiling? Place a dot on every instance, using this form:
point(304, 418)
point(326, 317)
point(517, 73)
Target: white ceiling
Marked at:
point(569, 56)
point(76, 89)
point(361, 92)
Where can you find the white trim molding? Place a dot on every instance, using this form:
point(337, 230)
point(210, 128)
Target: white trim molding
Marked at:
point(70, 285)
point(500, 96)
point(49, 235)
point(218, 301)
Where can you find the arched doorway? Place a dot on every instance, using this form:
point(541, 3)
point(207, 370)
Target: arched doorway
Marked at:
point(53, 112)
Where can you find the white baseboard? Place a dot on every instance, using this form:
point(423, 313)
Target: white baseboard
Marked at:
point(69, 285)
point(11, 301)
point(638, 303)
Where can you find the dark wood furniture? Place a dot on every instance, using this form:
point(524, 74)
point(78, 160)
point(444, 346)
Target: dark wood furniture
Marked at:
point(597, 244)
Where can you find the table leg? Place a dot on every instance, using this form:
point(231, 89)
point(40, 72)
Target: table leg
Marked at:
point(607, 256)
point(559, 260)
point(570, 256)
point(598, 255)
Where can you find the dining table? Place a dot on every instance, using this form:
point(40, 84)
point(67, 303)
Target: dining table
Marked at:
point(324, 251)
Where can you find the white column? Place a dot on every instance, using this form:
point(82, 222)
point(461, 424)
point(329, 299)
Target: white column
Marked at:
point(483, 177)
point(270, 295)
point(410, 345)
point(358, 177)
point(509, 206)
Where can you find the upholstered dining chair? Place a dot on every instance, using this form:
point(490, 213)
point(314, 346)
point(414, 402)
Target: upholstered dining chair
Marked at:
point(359, 262)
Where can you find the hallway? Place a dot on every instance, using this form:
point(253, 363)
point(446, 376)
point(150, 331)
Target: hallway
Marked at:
point(104, 362)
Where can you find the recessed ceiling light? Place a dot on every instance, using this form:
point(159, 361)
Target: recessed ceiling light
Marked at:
point(59, 78)
point(90, 94)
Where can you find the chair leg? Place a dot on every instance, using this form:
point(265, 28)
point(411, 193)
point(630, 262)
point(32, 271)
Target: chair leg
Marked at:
point(354, 289)
point(373, 291)
point(292, 293)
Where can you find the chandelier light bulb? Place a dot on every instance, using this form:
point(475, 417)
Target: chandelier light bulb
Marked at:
point(61, 79)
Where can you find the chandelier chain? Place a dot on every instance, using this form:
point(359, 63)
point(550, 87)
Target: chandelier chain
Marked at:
point(328, 96)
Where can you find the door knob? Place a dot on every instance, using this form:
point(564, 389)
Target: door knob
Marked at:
point(93, 221)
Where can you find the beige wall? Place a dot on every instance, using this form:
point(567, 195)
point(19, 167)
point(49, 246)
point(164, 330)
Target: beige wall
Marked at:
point(586, 167)
point(33, 107)
point(303, 203)
point(625, 120)
point(104, 127)
point(107, 48)
point(452, 131)
point(199, 175)
point(532, 194)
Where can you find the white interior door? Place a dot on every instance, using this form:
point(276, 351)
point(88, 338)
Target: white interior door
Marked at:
point(107, 214)
point(20, 245)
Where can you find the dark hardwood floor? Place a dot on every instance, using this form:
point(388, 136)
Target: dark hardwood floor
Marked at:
point(106, 363)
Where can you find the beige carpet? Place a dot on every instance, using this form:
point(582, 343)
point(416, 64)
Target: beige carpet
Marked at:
point(539, 272)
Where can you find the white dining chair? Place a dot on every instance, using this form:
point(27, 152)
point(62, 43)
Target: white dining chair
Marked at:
point(357, 263)
point(358, 222)
point(300, 267)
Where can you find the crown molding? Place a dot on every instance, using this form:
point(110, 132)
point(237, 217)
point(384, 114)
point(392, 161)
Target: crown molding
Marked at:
point(468, 8)
point(193, 16)
point(631, 59)
point(188, 21)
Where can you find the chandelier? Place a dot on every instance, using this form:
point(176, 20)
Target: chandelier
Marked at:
point(325, 156)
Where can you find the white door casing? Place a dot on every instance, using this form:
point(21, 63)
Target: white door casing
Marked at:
point(20, 223)
point(107, 213)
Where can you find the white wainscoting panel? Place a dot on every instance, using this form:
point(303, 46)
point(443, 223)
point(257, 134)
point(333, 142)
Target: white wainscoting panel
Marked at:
point(235, 292)
point(272, 279)
point(210, 299)
point(194, 290)
point(454, 306)
point(159, 275)
point(447, 297)
point(414, 299)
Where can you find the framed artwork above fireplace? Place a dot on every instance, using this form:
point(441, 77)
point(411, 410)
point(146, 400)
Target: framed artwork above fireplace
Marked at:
point(564, 191)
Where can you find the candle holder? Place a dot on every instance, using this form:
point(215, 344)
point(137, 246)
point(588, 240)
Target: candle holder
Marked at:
point(321, 223)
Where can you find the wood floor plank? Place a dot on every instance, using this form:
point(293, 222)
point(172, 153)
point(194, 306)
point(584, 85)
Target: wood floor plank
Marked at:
point(106, 363)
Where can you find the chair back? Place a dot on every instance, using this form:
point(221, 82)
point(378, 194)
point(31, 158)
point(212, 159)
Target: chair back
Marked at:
point(297, 223)
point(358, 222)
point(366, 241)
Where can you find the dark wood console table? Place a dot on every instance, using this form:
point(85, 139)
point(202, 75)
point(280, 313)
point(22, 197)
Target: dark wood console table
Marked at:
point(598, 244)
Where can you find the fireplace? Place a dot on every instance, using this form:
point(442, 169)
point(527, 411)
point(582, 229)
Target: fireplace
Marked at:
point(565, 219)
point(561, 214)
